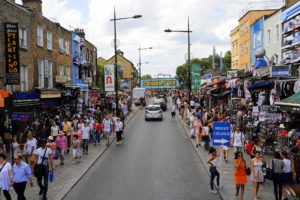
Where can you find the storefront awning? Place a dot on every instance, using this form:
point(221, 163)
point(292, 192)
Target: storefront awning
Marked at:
point(293, 101)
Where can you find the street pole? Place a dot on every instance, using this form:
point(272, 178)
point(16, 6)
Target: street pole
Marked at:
point(189, 61)
point(140, 68)
point(116, 63)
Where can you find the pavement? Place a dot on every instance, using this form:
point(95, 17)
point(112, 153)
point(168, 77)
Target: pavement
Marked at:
point(155, 162)
point(65, 177)
point(227, 191)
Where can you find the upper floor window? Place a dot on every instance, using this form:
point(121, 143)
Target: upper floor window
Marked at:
point(40, 36)
point(268, 37)
point(49, 40)
point(23, 38)
point(67, 47)
point(276, 39)
point(61, 45)
point(24, 78)
point(61, 70)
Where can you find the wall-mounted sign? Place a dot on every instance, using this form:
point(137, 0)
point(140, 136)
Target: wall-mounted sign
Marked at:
point(12, 53)
point(60, 79)
point(261, 72)
point(109, 78)
point(26, 99)
point(22, 117)
point(160, 83)
point(232, 74)
point(281, 71)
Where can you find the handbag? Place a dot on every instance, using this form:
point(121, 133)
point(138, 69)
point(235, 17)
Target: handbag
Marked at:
point(270, 172)
point(55, 157)
point(38, 170)
point(247, 169)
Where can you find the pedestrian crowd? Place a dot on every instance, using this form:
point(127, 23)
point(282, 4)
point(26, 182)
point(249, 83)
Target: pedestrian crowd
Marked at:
point(281, 169)
point(67, 135)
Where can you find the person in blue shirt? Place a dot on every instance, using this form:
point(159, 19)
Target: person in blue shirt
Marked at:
point(21, 174)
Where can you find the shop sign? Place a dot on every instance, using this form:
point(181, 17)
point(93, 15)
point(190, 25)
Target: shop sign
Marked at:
point(281, 71)
point(261, 72)
point(232, 74)
point(109, 78)
point(60, 79)
point(265, 108)
point(20, 117)
point(88, 80)
point(26, 98)
point(11, 32)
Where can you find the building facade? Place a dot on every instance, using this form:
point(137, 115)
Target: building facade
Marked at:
point(273, 37)
point(129, 72)
point(245, 23)
point(290, 20)
point(234, 35)
point(84, 66)
point(257, 38)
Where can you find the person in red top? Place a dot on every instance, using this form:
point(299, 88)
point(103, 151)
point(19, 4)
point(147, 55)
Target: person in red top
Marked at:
point(98, 128)
point(78, 133)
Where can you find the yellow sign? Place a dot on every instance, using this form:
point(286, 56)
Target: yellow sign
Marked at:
point(160, 83)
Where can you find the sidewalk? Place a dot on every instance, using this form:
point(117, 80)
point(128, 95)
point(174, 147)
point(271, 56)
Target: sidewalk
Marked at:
point(65, 177)
point(227, 192)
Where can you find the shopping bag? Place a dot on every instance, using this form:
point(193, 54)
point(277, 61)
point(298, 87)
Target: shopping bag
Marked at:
point(55, 157)
point(51, 176)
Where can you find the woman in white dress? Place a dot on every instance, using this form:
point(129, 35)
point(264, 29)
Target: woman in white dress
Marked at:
point(257, 175)
point(6, 178)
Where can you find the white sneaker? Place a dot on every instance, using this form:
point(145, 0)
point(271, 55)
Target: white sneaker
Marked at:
point(214, 191)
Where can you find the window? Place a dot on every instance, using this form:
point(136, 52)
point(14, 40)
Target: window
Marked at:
point(50, 74)
point(61, 70)
point(276, 39)
point(49, 40)
point(41, 64)
point(61, 45)
point(68, 73)
point(24, 78)
point(67, 47)
point(77, 49)
point(259, 38)
point(40, 36)
point(23, 38)
point(246, 27)
point(268, 37)
point(87, 54)
point(91, 56)
point(246, 47)
point(10, 88)
point(254, 40)
point(77, 72)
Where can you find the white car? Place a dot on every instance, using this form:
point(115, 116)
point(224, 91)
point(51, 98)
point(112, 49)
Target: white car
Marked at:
point(153, 112)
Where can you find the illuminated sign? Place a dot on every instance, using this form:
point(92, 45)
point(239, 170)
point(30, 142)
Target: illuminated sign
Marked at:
point(12, 53)
point(163, 83)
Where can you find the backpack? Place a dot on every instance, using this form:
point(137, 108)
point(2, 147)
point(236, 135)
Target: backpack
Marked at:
point(249, 147)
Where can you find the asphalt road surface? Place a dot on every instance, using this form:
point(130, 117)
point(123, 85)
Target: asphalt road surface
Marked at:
point(155, 162)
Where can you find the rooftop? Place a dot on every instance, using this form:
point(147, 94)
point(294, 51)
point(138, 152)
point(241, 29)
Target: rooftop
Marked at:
point(261, 5)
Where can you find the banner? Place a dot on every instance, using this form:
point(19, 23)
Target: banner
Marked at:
point(160, 83)
point(11, 34)
point(109, 78)
point(196, 77)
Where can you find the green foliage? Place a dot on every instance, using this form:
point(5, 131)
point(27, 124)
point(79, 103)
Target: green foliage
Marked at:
point(100, 77)
point(146, 76)
point(206, 64)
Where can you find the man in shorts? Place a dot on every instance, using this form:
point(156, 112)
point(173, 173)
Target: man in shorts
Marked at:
point(107, 128)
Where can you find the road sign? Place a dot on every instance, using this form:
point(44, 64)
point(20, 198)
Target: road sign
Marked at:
point(221, 134)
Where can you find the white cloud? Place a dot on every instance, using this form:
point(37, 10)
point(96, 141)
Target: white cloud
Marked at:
point(210, 21)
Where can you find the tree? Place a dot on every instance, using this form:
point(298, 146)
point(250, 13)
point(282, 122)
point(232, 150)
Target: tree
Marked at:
point(146, 76)
point(182, 75)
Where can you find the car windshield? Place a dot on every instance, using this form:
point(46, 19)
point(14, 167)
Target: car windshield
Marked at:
point(153, 108)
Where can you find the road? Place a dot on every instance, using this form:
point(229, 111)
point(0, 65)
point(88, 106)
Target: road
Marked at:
point(156, 161)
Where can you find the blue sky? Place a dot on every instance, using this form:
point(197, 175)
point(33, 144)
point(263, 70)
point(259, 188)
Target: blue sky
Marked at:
point(210, 21)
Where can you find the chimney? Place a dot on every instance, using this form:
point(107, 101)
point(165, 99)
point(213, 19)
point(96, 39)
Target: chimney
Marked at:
point(80, 32)
point(119, 52)
point(35, 5)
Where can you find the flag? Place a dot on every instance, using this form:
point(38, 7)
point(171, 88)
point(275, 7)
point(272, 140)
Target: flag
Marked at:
point(214, 56)
point(221, 62)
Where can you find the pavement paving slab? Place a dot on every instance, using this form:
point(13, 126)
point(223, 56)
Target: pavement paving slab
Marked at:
point(65, 177)
point(228, 190)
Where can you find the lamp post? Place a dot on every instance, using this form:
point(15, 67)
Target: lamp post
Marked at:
point(115, 19)
point(188, 31)
point(140, 63)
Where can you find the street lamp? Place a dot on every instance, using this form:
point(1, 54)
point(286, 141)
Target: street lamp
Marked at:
point(188, 31)
point(115, 19)
point(140, 63)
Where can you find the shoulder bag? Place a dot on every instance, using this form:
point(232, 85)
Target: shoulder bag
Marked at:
point(38, 168)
